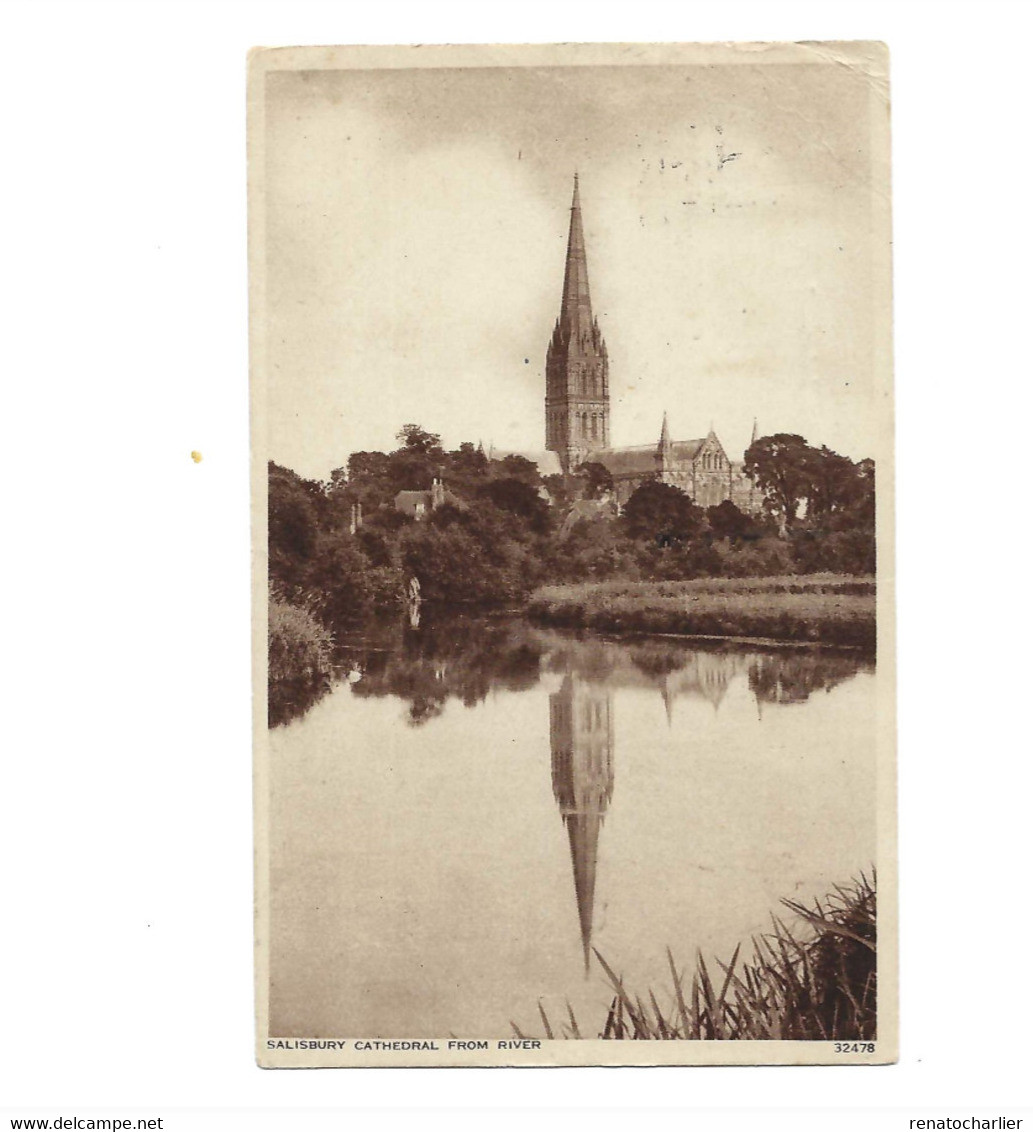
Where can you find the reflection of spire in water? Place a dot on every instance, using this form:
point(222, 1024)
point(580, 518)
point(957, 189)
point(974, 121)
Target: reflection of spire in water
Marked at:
point(665, 694)
point(581, 737)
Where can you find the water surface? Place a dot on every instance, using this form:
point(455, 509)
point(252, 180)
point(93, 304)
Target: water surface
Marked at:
point(477, 804)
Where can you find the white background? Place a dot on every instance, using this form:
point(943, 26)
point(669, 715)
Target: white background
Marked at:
point(125, 951)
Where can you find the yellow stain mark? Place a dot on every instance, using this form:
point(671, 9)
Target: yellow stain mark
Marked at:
point(196, 457)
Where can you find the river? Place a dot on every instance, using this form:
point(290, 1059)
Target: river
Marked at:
point(478, 804)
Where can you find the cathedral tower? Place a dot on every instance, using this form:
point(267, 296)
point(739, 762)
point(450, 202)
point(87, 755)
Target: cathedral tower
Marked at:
point(577, 372)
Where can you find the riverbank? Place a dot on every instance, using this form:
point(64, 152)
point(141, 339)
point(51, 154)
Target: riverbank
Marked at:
point(831, 609)
point(815, 984)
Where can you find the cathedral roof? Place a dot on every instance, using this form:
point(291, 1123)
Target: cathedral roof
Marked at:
point(640, 459)
point(687, 449)
point(547, 461)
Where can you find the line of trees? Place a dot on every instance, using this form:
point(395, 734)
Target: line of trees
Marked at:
point(501, 531)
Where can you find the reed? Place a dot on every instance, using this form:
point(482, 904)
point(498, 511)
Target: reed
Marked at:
point(817, 983)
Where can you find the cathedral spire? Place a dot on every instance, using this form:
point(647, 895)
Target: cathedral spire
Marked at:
point(577, 382)
point(753, 437)
point(665, 437)
point(576, 307)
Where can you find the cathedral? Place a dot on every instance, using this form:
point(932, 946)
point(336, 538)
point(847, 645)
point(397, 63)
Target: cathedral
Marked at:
point(577, 407)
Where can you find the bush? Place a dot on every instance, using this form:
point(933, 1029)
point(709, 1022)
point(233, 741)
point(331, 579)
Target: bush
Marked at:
point(844, 552)
point(299, 660)
point(763, 558)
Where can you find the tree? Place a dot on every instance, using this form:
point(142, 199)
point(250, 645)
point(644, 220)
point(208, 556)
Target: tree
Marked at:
point(468, 461)
point(727, 521)
point(293, 526)
point(558, 488)
point(411, 469)
point(662, 513)
point(367, 465)
point(517, 468)
point(834, 483)
point(520, 499)
point(416, 439)
point(863, 506)
point(369, 481)
point(782, 466)
point(338, 575)
point(598, 480)
point(450, 563)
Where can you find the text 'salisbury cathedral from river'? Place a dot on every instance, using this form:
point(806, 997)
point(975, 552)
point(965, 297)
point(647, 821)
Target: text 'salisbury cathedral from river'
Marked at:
point(577, 406)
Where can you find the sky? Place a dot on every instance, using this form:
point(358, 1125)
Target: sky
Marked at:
point(416, 224)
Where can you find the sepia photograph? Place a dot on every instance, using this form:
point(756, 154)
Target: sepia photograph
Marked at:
point(572, 457)
point(490, 614)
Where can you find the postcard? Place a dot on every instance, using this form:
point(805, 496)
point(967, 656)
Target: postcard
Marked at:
point(572, 434)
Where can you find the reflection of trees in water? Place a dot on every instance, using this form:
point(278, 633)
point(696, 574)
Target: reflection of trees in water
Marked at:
point(465, 659)
point(290, 699)
point(791, 678)
point(429, 665)
point(656, 660)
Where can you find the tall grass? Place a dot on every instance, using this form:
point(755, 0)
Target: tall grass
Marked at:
point(815, 985)
point(821, 608)
point(774, 583)
point(300, 651)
